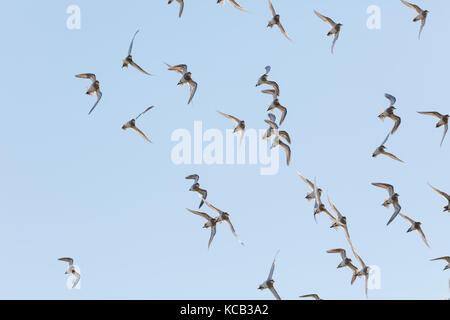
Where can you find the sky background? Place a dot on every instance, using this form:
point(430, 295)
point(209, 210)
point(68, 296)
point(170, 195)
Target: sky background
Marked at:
point(77, 185)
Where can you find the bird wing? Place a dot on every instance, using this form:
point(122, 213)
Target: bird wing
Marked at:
point(275, 293)
point(407, 218)
point(398, 121)
point(390, 155)
point(212, 207)
point(334, 208)
point(181, 2)
point(236, 5)
point(211, 238)
point(340, 251)
point(280, 26)
point(397, 208)
point(99, 96)
point(336, 37)
point(193, 89)
point(233, 231)
point(315, 296)
point(309, 183)
point(77, 279)
point(140, 133)
point(135, 65)
point(442, 193)
point(149, 108)
point(272, 117)
point(391, 98)
point(412, 6)
point(285, 135)
point(431, 113)
point(270, 91)
point(195, 177)
point(179, 68)
point(68, 260)
point(201, 214)
point(273, 267)
point(442, 258)
point(131, 44)
point(422, 25)
point(288, 151)
point(445, 133)
point(422, 235)
point(230, 117)
point(272, 9)
point(386, 186)
point(326, 19)
point(385, 140)
point(283, 113)
point(89, 76)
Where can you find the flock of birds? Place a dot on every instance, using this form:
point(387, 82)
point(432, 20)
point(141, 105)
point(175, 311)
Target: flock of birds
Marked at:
point(338, 221)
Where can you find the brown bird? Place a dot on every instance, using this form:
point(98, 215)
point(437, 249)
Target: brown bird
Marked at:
point(392, 200)
point(445, 195)
point(416, 226)
point(211, 223)
point(276, 21)
point(443, 121)
point(382, 150)
point(389, 113)
point(129, 59)
point(132, 125)
point(93, 89)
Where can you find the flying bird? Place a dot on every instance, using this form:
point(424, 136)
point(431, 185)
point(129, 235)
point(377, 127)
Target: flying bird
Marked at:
point(276, 21)
point(186, 78)
point(335, 28)
point(392, 200)
point(389, 113)
point(234, 3)
point(93, 89)
point(224, 216)
point(71, 270)
point(211, 223)
point(263, 80)
point(445, 259)
point(346, 262)
point(286, 148)
point(341, 221)
point(416, 226)
point(422, 15)
point(181, 2)
point(276, 105)
point(129, 59)
point(363, 272)
point(196, 188)
point(132, 124)
point(445, 195)
point(274, 130)
point(239, 127)
point(443, 121)
point(310, 196)
point(314, 296)
point(382, 150)
point(268, 284)
point(270, 131)
point(319, 207)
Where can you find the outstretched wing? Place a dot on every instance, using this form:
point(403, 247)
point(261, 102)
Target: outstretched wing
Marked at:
point(89, 76)
point(431, 113)
point(192, 89)
point(442, 193)
point(149, 108)
point(412, 6)
point(233, 231)
point(135, 65)
point(326, 19)
point(236, 5)
point(386, 186)
point(275, 293)
point(391, 98)
point(131, 44)
point(68, 260)
point(272, 9)
point(99, 96)
point(230, 117)
point(141, 133)
point(273, 267)
point(201, 214)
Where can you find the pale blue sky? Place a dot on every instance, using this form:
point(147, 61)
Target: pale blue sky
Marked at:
point(77, 185)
